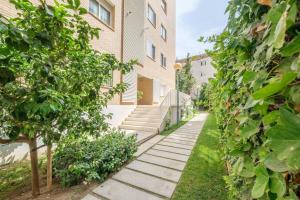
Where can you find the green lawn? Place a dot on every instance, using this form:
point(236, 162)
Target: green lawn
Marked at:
point(202, 178)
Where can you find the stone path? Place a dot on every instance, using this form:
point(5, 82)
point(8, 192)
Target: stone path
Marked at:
point(154, 174)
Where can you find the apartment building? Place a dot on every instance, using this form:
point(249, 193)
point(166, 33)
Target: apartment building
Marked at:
point(149, 37)
point(132, 29)
point(202, 70)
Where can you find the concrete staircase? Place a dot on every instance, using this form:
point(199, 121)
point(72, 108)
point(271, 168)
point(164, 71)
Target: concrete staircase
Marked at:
point(144, 122)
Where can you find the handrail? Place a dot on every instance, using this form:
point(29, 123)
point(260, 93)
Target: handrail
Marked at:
point(165, 105)
point(171, 100)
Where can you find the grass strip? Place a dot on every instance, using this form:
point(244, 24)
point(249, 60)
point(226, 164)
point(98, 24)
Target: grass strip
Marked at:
point(202, 178)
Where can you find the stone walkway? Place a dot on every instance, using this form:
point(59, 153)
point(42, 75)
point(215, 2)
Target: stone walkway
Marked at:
point(154, 174)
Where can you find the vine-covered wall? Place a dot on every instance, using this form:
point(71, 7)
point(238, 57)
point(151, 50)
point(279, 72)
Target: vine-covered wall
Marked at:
point(256, 97)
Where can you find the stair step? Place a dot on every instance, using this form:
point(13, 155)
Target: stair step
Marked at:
point(138, 123)
point(139, 128)
point(147, 106)
point(157, 116)
point(142, 119)
point(154, 112)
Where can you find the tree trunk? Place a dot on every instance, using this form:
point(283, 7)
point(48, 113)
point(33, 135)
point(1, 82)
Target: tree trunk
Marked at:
point(49, 168)
point(34, 167)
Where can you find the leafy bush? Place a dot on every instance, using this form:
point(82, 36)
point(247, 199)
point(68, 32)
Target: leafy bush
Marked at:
point(203, 97)
point(88, 159)
point(256, 98)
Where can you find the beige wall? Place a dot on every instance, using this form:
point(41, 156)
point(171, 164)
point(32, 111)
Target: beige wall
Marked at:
point(137, 31)
point(151, 67)
point(110, 37)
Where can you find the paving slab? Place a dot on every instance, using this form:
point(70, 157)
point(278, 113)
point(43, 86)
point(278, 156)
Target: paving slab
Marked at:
point(154, 173)
point(186, 132)
point(169, 155)
point(114, 190)
point(172, 149)
point(165, 162)
point(151, 169)
point(146, 182)
point(185, 136)
point(147, 145)
point(91, 197)
point(181, 138)
point(170, 144)
point(178, 141)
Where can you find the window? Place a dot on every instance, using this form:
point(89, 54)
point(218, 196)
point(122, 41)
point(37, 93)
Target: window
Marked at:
point(150, 50)
point(109, 82)
point(163, 32)
point(94, 7)
point(164, 5)
point(151, 16)
point(104, 15)
point(101, 12)
point(163, 60)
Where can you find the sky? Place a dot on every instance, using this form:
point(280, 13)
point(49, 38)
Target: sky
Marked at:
point(195, 18)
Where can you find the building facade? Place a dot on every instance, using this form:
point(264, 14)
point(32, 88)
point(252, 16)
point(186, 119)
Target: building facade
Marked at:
point(202, 70)
point(149, 37)
point(130, 29)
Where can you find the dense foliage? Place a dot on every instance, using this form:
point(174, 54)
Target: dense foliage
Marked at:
point(203, 97)
point(50, 75)
point(256, 97)
point(186, 79)
point(85, 159)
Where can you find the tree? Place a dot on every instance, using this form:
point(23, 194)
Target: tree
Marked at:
point(50, 77)
point(186, 79)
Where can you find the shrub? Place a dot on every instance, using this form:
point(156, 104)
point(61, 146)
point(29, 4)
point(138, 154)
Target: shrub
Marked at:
point(88, 159)
point(256, 98)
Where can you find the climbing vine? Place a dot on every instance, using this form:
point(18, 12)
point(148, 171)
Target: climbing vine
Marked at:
point(256, 97)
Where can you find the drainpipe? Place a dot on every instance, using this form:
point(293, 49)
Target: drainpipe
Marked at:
point(122, 44)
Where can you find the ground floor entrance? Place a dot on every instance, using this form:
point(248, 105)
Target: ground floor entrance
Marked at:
point(144, 90)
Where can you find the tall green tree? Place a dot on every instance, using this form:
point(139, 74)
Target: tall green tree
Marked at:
point(256, 97)
point(186, 78)
point(50, 76)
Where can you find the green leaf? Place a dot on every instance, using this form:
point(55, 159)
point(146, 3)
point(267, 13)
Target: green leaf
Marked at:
point(277, 185)
point(248, 170)
point(275, 87)
point(248, 76)
point(250, 129)
point(292, 196)
point(292, 47)
point(251, 103)
point(261, 182)
point(285, 139)
point(4, 53)
point(274, 164)
point(292, 15)
point(77, 3)
point(280, 32)
point(275, 13)
point(271, 117)
point(82, 11)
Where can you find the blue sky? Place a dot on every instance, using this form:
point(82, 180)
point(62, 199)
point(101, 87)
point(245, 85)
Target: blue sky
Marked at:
point(197, 18)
